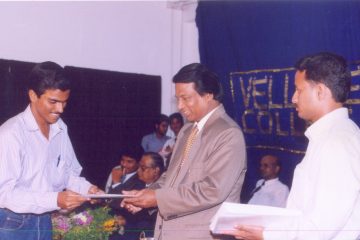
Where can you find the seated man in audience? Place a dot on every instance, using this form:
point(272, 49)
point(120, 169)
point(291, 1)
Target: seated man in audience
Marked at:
point(176, 123)
point(150, 169)
point(155, 141)
point(126, 178)
point(127, 167)
point(269, 190)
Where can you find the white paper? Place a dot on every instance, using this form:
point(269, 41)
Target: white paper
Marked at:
point(231, 214)
point(107, 196)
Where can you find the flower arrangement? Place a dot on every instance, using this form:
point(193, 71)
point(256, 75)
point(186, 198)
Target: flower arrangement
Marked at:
point(90, 224)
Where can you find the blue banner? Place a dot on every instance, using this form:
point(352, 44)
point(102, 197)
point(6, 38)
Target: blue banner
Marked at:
point(239, 39)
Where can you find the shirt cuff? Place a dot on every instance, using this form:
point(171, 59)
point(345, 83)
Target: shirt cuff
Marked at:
point(49, 201)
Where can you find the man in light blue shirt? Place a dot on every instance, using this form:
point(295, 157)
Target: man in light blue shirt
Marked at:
point(39, 171)
point(155, 141)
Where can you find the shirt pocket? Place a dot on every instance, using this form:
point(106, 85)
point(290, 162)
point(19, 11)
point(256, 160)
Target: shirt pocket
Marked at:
point(58, 173)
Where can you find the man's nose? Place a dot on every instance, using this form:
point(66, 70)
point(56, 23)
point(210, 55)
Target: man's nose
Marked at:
point(60, 107)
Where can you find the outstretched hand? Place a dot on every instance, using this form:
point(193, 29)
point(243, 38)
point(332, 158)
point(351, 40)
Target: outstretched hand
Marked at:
point(145, 198)
point(95, 190)
point(69, 200)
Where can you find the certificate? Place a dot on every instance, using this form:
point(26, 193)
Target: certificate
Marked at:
point(107, 196)
point(231, 214)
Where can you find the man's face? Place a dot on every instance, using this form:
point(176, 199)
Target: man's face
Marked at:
point(175, 125)
point(193, 106)
point(129, 164)
point(49, 106)
point(146, 172)
point(268, 168)
point(305, 98)
point(162, 128)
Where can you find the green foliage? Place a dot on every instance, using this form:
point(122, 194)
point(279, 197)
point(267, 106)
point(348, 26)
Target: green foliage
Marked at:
point(90, 224)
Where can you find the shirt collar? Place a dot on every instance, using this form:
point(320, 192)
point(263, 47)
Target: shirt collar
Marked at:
point(325, 122)
point(203, 121)
point(32, 125)
point(270, 181)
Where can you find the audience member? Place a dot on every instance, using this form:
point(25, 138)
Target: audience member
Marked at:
point(126, 170)
point(150, 169)
point(176, 123)
point(326, 185)
point(39, 172)
point(207, 166)
point(126, 179)
point(156, 140)
point(269, 190)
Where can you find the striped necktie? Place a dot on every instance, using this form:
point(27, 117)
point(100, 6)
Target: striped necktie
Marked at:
point(189, 143)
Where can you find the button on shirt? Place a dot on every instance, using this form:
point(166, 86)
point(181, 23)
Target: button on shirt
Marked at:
point(273, 193)
point(326, 185)
point(34, 169)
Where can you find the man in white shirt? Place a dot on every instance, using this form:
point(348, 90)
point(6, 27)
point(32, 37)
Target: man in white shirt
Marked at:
point(39, 172)
point(326, 184)
point(155, 141)
point(269, 190)
point(176, 123)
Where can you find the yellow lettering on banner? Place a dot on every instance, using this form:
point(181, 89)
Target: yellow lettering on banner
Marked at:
point(272, 105)
point(246, 129)
point(232, 89)
point(260, 116)
point(265, 121)
point(293, 131)
point(257, 93)
point(353, 101)
point(246, 92)
point(279, 132)
point(286, 92)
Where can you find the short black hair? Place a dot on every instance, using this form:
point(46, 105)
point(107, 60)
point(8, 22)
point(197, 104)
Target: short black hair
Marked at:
point(161, 118)
point(329, 69)
point(157, 160)
point(135, 152)
point(47, 75)
point(205, 80)
point(177, 116)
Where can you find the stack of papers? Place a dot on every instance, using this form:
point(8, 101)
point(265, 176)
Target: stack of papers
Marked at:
point(231, 214)
point(106, 196)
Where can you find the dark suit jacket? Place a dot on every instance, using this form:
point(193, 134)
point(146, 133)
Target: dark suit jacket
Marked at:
point(133, 183)
point(213, 173)
point(131, 229)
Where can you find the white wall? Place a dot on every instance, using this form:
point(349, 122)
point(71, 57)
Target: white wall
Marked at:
point(150, 37)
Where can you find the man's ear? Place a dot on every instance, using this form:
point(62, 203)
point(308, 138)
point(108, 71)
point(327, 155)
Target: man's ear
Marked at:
point(32, 96)
point(322, 91)
point(209, 96)
point(277, 170)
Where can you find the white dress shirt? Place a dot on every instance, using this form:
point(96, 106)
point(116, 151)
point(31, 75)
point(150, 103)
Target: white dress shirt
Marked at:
point(326, 185)
point(34, 169)
point(273, 193)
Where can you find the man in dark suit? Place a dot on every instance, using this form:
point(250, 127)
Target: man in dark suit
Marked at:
point(151, 167)
point(128, 180)
point(208, 163)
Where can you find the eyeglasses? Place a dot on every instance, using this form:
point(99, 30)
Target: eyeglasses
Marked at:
point(143, 168)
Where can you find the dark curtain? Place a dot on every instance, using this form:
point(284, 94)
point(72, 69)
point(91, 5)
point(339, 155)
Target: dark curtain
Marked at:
point(252, 46)
point(107, 111)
